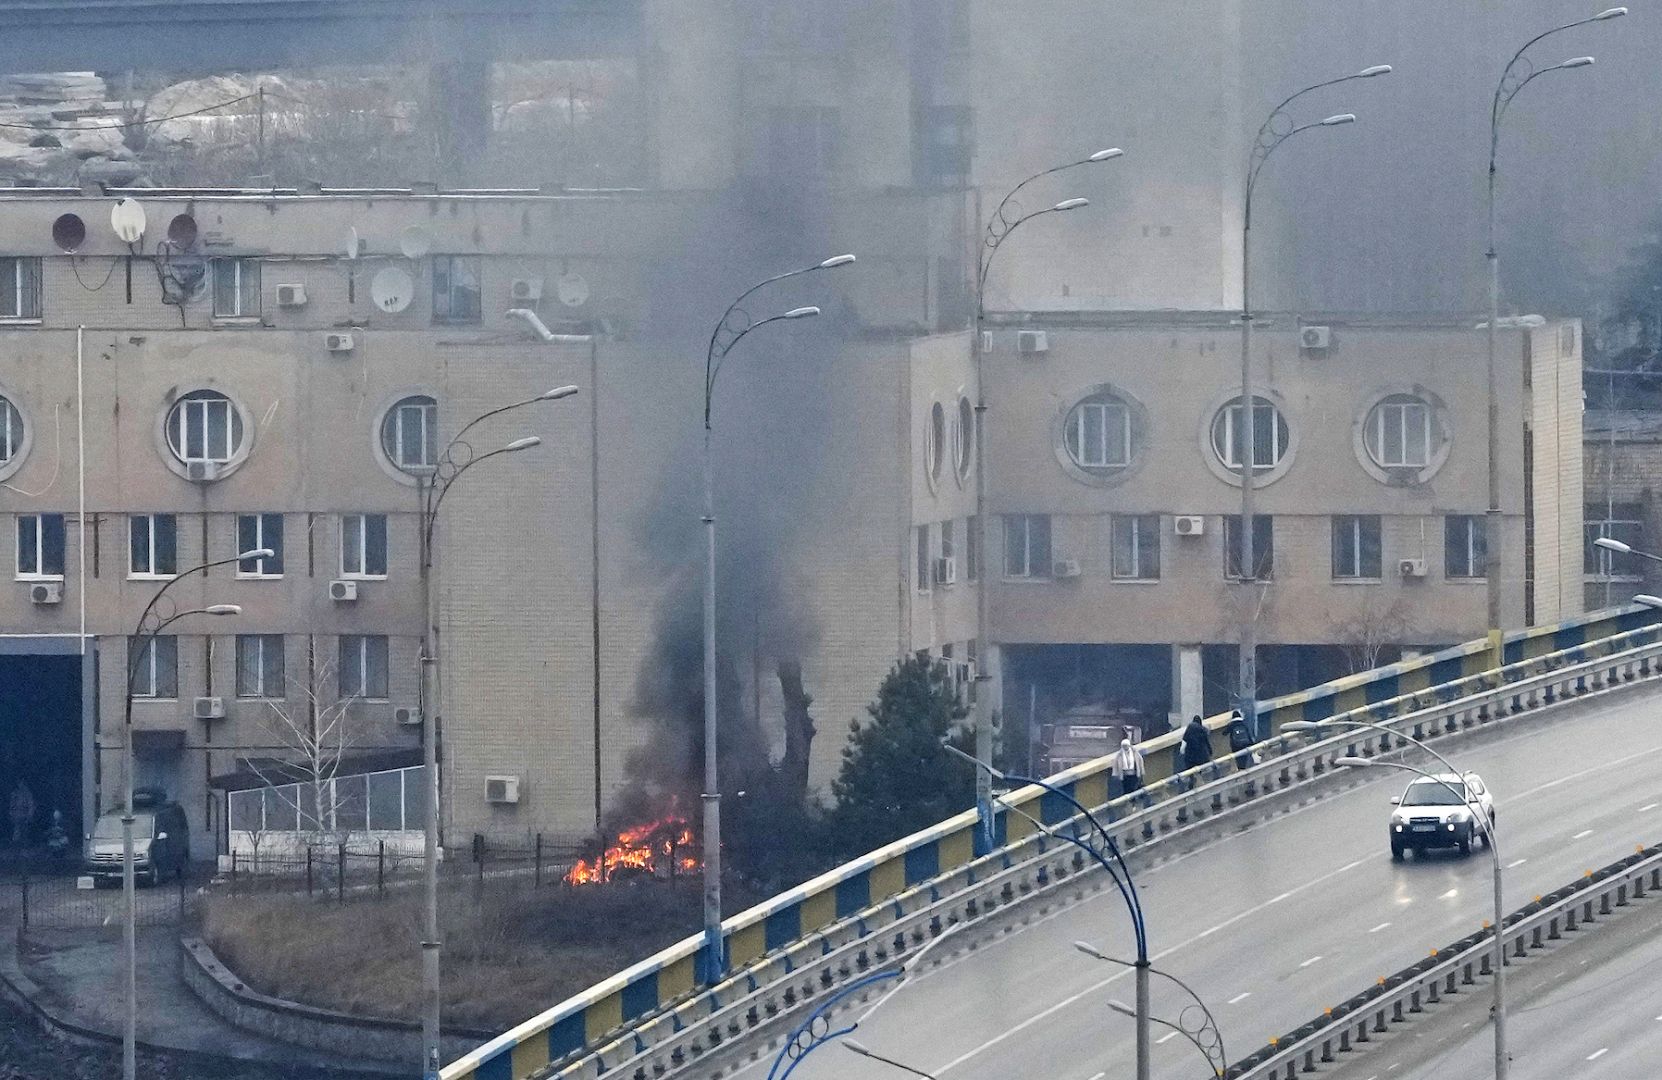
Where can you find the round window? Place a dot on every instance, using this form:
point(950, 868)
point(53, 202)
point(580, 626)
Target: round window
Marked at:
point(1097, 434)
point(1270, 435)
point(410, 434)
point(934, 440)
point(1401, 432)
point(11, 432)
point(964, 437)
point(205, 428)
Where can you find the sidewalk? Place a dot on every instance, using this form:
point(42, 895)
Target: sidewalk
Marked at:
point(73, 979)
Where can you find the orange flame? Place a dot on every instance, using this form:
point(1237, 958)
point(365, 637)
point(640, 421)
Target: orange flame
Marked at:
point(660, 846)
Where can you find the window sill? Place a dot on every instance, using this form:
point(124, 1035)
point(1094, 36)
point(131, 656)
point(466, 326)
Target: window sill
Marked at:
point(1234, 580)
point(260, 698)
point(140, 699)
point(1358, 581)
point(239, 320)
point(1456, 580)
point(8, 320)
point(150, 577)
point(1008, 580)
point(361, 577)
point(35, 579)
point(1136, 581)
point(259, 577)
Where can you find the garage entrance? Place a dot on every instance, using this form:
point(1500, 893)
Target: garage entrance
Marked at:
point(42, 725)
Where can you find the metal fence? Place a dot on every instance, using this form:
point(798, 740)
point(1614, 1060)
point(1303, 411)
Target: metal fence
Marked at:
point(358, 868)
point(59, 901)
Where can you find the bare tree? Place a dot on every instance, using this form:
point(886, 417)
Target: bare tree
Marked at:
point(314, 737)
point(1366, 636)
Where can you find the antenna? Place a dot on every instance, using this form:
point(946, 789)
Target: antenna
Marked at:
point(415, 242)
point(392, 288)
point(127, 219)
point(69, 232)
point(573, 290)
point(352, 243)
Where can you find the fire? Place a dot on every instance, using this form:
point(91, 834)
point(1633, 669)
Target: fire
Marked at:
point(657, 847)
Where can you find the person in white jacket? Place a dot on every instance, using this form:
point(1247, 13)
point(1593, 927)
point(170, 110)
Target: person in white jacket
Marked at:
point(1128, 767)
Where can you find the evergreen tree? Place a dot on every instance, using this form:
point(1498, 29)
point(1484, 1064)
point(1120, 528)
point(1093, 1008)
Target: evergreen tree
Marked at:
point(895, 777)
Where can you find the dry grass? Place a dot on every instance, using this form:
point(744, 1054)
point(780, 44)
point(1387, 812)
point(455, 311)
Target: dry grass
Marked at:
point(509, 953)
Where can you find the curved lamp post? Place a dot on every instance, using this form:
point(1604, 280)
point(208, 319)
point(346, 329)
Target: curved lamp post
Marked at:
point(1276, 129)
point(1519, 72)
point(1206, 1035)
point(730, 329)
point(150, 624)
point(1006, 219)
point(1501, 1061)
point(815, 1031)
point(433, 485)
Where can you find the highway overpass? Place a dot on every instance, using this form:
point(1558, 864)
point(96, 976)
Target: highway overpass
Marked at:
point(1278, 922)
point(198, 36)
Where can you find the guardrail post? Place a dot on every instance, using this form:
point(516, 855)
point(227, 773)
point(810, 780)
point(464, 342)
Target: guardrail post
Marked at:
point(380, 868)
point(536, 878)
point(308, 870)
point(25, 888)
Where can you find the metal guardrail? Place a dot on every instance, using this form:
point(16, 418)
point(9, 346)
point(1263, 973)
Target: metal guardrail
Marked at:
point(1453, 970)
point(769, 990)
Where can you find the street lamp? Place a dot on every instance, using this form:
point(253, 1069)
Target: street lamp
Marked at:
point(1007, 217)
point(1488, 827)
point(733, 325)
point(866, 1052)
point(1118, 872)
point(1276, 129)
point(150, 624)
point(1206, 1035)
point(1518, 73)
point(432, 485)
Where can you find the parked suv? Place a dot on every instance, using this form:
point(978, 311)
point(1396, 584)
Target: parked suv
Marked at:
point(1440, 813)
point(161, 841)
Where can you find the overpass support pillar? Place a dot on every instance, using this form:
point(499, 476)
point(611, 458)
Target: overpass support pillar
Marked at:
point(1187, 685)
point(459, 99)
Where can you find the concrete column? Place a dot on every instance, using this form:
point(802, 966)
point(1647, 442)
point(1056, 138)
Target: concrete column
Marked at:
point(1187, 685)
point(459, 93)
point(993, 666)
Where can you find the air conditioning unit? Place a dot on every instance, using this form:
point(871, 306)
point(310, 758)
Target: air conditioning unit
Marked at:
point(209, 708)
point(986, 341)
point(46, 592)
point(1032, 342)
point(1315, 337)
point(527, 288)
point(963, 673)
point(291, 296)
point(202, 471)
point(343, 591)
point(338, 342)
point(1064, 568)
point(946, 571)
point(1411, 567)
point(407, 716)
point(502, 790)
point(1188, 525)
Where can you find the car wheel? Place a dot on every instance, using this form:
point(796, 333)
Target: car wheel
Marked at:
point(1466, 844)
point(1396, 852)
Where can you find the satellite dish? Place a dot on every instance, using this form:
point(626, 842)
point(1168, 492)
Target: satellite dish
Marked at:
point(69, 232)
point(184, 279)
point(573, 290)
point(182, 231)
point(415, 242)
point(127, 218)
point(392, 288)
point(351, 241)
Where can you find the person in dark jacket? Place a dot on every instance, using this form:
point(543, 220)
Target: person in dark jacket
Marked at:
point(1240, 740)
point(1197, 744)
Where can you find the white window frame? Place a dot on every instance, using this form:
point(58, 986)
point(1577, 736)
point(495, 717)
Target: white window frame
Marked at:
point(444, 266)
point(11, 429)
point(1134, 524)
point(238, 267)
point(261, 540)
point(1029, 572)
point(1395, 413)
point(1099, 456)
point(426, 409)
point(1353, 547)
point(25, 269)
point(1477, 568)
point(149, 669)
point(39, 522)
point(1224, 447)
point(361, 691)
point(192, 410)
point(361, 546)
point(147, 524)
point(261, 644)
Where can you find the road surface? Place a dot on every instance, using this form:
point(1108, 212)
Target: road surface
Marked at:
point(1272, 925)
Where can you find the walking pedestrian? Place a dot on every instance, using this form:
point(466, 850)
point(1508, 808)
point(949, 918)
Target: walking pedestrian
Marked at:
point(1197, 744)
point(1240, 739)
point(1128, 767)
point(22, 810)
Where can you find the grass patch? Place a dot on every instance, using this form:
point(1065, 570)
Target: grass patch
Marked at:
point(509, 953)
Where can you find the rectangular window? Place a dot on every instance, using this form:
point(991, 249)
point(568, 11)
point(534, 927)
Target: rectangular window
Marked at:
point(152, 545)
point(363, 666)
point(456, 288)
point(236, 288)
point(972, 547)
point(153, 666)
point(922, 532)
point(40, 546)
point(1135, 539)
point(1356, 549)
point(260, 672)
point(1027, 545)
point(1263, 546)
point(1268, 439)
point(1402, 432)
point(1465, 548)
point(1100, 434)
point(363, 546)
point(254, 533)
point(1618, 521)
point(948, 145)
point(20, 289)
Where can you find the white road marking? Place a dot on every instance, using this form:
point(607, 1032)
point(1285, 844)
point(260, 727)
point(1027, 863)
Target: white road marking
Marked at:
point(1516, 862)
point(1045, 1014)
point(1280, 898)
point(1243, 995)
point(1099, 1076)
point(1378, 928)
point(1451, 894)
point(1167, 1037)
point(1582, 835)
point(1649, 806)
point(1310, 961)
point(1596, 1054)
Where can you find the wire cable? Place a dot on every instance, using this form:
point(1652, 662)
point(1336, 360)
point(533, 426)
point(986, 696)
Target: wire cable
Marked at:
point(125, 124)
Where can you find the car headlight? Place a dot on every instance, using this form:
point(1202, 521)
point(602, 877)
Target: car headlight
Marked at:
point(1399, 820)
point(1460, 817)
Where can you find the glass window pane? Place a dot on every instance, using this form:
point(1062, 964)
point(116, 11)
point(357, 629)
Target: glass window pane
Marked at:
point(166, 528)
point(1117, 435)
point(245, 811)
point(351, 803)
point(1015, 546)
point(1148, 546)
point(375, 673)
point(225, 286)
point(411, 440)
point(138, 535)
point(1122, 539)
point(386, 801)
point(195, 426)
point(1038, 544)
point(1393, 445)
point(350, 674)
point(415, 797)
point(219, 430)
point(281, 808)
point(1091, 443)
point(351, 544)
point(1370, 547)
point(51, 544)
point(167, 666)
point(249, 280)
point(28, 544)
point(375, 544)
point(271, 536)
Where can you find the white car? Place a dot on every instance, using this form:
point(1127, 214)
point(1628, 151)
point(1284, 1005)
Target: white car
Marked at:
point(1441, 812)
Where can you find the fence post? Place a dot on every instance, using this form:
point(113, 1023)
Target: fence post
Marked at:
point(308, 871)
point(536, 878)
point(380, 868)
point(340, 874)
point(25, 901)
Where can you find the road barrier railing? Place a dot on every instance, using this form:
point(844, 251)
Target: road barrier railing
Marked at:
point(650, 1019)
point(1454, 970)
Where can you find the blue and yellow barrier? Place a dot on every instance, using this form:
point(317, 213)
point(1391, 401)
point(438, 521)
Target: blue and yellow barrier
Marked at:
point(661, 981)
